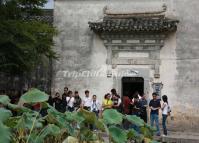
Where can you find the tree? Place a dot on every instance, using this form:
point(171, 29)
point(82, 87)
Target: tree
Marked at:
point(25, 38)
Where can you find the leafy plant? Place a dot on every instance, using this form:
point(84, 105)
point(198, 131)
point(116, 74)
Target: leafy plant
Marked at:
point(34, 96)
point(30, 127)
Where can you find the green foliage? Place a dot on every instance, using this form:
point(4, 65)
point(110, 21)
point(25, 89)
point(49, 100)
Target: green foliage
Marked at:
point(117, 134)
point(24, 40)
point(4, 130)
point(30, 127)
point(5, 134)
point(4, 99)
point(50, 129)
point(147, 131)
point(4, 114)
point(135, 120)
point(134, 135)
point(34, 96)
point(111, 116)
point(26, 121)
point(89, 117)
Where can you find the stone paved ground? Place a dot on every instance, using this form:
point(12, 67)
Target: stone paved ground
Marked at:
point(181, 137)
point(173, 137)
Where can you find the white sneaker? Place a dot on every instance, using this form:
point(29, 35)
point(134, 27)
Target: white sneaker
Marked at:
point(164, 135)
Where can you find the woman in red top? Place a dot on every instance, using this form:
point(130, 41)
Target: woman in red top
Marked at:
point(126, 103)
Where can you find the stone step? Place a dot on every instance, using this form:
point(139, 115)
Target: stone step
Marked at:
point(181, 137)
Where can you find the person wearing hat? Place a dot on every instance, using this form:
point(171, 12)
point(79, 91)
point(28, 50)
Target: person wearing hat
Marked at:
point(155, 105)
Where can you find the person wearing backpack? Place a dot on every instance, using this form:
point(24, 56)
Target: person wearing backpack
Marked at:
point(165, 113)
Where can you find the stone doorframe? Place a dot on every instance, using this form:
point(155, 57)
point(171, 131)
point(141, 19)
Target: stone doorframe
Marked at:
point(142, 72)
point(133, 43)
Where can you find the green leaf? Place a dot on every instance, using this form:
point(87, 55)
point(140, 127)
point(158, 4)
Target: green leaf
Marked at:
point(87, 135)
point(117, 135)
point(134, 135)
point(27, 119)
point(146, 132)
point(112, 116)
point(44, 105)
point(100, 125)
point(34, 96)
point(64, 121)
point(74, 116)
point(135, 120)
point(12, 121)
point(4, 114)
point(4, 99)
point(89, 117)
point(18, 108)
point(50, 129)
point(5, 134)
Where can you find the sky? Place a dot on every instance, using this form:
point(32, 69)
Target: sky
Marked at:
point(50, 4)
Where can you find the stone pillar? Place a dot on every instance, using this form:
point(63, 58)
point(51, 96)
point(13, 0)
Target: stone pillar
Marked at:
point(109, 61)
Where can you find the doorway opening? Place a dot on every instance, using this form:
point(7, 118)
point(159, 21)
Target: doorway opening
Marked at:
point(131, 85)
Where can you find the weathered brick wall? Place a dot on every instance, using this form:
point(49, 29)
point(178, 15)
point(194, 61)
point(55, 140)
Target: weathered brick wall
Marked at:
point(80, 49)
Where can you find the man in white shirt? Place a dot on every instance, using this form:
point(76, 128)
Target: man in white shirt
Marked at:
point(70, 101)
point(87, 101)
point(95, 105)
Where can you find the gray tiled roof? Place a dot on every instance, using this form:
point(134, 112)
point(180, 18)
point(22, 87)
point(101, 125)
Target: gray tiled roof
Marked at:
point(134, 24)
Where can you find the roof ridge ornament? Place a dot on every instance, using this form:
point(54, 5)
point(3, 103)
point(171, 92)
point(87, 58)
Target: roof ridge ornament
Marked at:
point(161, 12)
point(105, 9)
point(140, 22)
point(164, 7)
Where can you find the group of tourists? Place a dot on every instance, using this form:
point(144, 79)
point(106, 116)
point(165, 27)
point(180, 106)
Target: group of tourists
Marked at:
point(136, 104)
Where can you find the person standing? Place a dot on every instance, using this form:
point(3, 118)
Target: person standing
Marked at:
point(107, 102)
point(117, 103)
point(136, 110)
point(126, 104)
point(126, 110)
point(95, 108)
point(95, 105)
point(165, 110)
point(50, 100)
point(57, 102)
point(86, 102)
point(64, 95)
point(78, 101)
point(136, 106)
point(155, 105)
point(144, 105)
point(70, 101)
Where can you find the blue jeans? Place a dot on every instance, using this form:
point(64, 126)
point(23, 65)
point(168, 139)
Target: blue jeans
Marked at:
point(155, 118)
point(136, 128)
point(164, 119)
